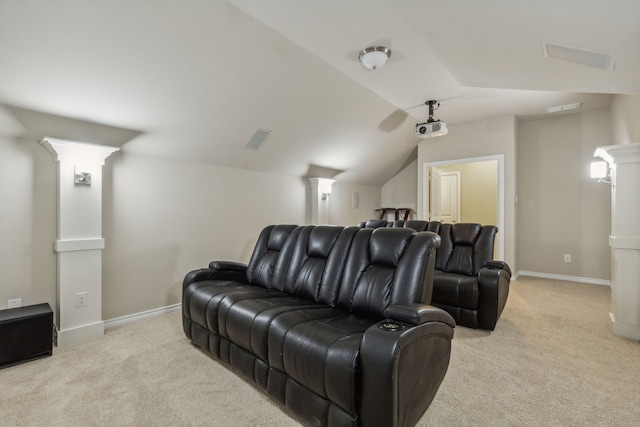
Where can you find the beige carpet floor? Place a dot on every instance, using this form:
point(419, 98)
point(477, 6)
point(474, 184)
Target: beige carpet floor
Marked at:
point(552, 361)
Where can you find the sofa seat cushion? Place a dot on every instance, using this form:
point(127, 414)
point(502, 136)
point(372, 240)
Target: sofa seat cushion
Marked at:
point(323, 356)
point(455, 290)
point(246, 323)
point(202, 300)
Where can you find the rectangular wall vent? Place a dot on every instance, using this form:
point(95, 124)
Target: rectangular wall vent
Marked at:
point(576, 55)
point(258, 139)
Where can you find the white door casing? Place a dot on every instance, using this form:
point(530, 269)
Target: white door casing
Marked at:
point(435, 209)
point(428, 190)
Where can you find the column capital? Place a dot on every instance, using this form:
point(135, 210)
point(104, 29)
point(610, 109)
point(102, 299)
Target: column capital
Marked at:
point(63, 149)
point(621, 153)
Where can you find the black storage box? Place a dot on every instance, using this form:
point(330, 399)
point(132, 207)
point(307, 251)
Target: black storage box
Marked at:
point(26, 333)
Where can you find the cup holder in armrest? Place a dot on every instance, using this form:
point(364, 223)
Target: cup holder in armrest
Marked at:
point(390, 325)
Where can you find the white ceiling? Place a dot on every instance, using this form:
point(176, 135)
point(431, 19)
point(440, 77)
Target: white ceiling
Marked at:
point(194, 80)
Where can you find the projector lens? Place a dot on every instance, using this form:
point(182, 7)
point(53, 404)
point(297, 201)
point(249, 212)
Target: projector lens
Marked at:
point(422, 129)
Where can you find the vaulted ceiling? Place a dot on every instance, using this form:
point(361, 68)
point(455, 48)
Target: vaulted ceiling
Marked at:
point(194, 80)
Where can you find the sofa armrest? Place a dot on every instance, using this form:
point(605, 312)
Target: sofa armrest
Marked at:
point(403, 365)
point(493, 285)
point(218, 270)
point(416, 314)
point(498, 265)
point(228, 266)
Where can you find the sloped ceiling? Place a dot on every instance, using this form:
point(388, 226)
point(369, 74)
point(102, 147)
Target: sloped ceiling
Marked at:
point(194, 80)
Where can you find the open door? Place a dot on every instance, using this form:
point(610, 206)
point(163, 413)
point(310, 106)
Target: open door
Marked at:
point(450, 197)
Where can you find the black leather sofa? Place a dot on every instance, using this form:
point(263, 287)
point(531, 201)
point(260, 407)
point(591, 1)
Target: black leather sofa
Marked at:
point(328, 321)
point(468, 283)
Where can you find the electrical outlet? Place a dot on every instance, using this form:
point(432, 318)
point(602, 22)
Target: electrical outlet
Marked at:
point(14, 303)
point(567, 258)
point(81, 299)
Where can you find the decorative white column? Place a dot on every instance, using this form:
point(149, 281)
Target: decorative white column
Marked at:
point(320, 193)
point(79, 244)
point(624, 164)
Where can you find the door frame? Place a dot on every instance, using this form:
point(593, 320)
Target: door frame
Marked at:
point(426, 167)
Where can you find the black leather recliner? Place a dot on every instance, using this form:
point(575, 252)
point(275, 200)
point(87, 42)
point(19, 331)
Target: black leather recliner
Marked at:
point(468, 283)
point(330, 321)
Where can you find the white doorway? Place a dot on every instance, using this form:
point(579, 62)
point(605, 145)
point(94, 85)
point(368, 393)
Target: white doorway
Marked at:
point(435, 201)
point(435, 197)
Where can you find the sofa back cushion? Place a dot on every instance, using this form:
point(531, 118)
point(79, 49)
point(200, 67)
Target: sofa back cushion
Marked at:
point(420, 225)
point(273, 248)
point(318, 261)
point(387, 266)
point(465, 247)
point(374, 223)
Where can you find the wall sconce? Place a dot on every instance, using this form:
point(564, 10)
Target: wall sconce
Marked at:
point(325, 196)
point(82, 178)
point(600, 171)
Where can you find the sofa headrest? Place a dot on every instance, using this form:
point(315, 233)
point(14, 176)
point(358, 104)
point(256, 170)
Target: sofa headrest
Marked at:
point(321, 240)
point(465, 234)
point(417, 225)
point(387, 247)
point(376, 223)
point(278, 235)
point(269, 249)
point(317, 262)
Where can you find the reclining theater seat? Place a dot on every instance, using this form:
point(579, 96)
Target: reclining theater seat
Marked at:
point(207, 286)
point(467, 283)
point(316, 260)
point(328, 321)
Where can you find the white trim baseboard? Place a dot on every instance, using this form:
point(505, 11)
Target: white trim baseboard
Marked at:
point(118, 321)
point(80, 333)
point(578, 279)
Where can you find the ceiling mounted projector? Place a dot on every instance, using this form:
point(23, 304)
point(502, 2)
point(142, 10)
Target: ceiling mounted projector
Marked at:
point(432, 127)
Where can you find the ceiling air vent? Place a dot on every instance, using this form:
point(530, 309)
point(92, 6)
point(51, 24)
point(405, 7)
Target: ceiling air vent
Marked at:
point(576, 55)
point(258, 138)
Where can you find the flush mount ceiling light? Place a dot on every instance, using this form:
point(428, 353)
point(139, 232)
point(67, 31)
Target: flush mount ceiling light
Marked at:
point(374, 57)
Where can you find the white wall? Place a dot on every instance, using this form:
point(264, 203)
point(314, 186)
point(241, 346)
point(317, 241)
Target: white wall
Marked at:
point(341, 209)
point(27, 223)
point(164, 218)
point(625, 126)
point(561, 210)
point(472, 140)
point(401, 190)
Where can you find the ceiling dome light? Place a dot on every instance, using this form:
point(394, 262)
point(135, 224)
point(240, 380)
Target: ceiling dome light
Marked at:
point(374, 57)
